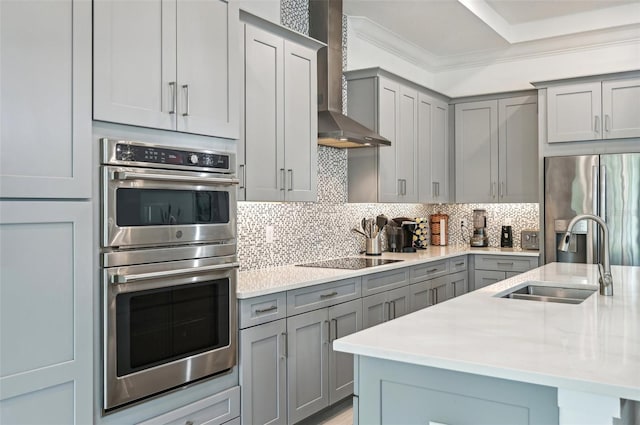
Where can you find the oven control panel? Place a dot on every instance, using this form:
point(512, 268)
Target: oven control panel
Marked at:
point(145, 154)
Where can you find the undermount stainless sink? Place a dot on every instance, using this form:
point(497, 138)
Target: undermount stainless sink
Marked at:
point(540, 291)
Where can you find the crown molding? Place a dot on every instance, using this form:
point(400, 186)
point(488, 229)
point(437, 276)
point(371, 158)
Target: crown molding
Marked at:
point(379, 36)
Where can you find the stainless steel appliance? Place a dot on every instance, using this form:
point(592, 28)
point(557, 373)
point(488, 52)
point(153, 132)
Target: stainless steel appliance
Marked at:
point(603, 185)
point(169, 268)
point(479, 237)
point(529, 239)
point(158, 195)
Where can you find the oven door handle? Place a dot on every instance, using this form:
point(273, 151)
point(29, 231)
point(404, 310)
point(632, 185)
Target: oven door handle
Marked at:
point(119, 278)
point(127, 175)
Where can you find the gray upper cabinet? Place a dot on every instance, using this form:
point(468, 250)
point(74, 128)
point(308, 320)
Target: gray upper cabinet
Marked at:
point(277, 155)
point(433, 150)
point(496, 147)
point(45, 108)
point(593, 110)
point(170, 65)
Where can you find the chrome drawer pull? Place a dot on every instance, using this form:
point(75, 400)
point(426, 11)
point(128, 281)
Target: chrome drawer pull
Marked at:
point(264, 310)
point(460, 264)
point(505, 264)
point(330, 294)
point(432, 270)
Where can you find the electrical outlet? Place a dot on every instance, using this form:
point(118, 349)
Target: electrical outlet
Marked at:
point(268, 234)
point(464, 223)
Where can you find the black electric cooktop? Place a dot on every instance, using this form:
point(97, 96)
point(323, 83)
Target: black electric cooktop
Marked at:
point(349, 263)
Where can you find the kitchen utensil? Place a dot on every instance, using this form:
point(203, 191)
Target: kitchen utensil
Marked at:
point(358, 231)
point(381, 221)
point(373, 246)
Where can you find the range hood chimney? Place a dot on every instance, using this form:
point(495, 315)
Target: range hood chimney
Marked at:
point(334, 128)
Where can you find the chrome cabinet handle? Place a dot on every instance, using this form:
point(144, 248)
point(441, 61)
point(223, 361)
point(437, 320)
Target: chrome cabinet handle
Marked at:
point(502, 189)
point(493, 189)
point(388, 306)
point(172, 86)
point(127, 175)
point(290, 171)
point(607, 123)
point(284, 350)
point(282, 179)
point(335, 326)
point(437, 189)
point(435, 296)
point(433, 189)
point(510, 263)
point(330, 294)
point(328, 334)
point(185, 87)
point(264, 310)
point(432, 270)
point(596, 124)
point(118, 278)
point(188, 423)
point(241, 172)
point(460, 263)
point(399, 186)
point(394, 308)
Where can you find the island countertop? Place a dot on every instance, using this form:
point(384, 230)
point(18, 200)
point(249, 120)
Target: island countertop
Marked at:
point(592, 347)
point(254, 283)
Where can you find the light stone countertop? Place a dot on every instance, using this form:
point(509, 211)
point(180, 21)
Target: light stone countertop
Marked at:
point(592, 347)
point(253, 283)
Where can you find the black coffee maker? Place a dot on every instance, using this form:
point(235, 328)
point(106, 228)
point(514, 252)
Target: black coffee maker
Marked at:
point(506, 237)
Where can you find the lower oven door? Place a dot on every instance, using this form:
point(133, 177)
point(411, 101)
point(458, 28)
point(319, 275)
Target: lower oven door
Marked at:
point(151, 207)
point(167, 324)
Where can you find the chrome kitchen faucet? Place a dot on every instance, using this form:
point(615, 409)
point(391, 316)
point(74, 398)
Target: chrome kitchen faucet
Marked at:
point(604, 267)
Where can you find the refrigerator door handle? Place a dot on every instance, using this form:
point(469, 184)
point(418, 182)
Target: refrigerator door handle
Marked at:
point(603, 192)
point(592, 227)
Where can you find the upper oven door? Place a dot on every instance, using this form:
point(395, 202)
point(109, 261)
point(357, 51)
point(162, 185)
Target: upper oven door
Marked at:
point(152, 207)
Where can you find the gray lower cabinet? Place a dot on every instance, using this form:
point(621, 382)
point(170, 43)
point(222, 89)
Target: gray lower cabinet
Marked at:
point(429, 292)
point(46, 310)
point(263, 373)
point(401, 393)
point(458, 284)
point(490, 269)
point(317, 376)
point(385, 306)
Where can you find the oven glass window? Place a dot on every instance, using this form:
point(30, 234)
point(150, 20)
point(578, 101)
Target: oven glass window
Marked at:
point(155, 207)
point(161, 325)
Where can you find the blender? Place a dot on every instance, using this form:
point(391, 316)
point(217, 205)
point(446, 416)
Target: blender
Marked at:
point(479, 237)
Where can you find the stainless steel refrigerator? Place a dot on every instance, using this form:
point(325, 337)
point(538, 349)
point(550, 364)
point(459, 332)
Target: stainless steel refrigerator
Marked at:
point(604, 185)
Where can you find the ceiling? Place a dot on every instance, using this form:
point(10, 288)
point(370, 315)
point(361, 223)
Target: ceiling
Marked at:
point(454, 28)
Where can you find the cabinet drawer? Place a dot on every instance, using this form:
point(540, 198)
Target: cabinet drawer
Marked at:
point(429, 270)
point(263, 309)
point(487, 277)
point(380, 282)
point(319, 296)
point(214, 410)
point(458, 264)
point(505, 263)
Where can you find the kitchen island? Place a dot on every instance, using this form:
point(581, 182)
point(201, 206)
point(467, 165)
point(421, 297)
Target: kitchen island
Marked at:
point(481, 358)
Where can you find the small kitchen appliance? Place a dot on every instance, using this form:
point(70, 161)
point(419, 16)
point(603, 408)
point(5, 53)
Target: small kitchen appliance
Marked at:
point(506, 237)
point(395, 235)
point(408, 230)
point(479, 238)
point(439, 226)
point(529, 239)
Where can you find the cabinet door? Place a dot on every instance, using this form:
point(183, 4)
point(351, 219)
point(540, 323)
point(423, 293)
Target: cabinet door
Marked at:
point(375, 310)
point(207, 67)
point(263, 373)
point(388, 111)
point(407, 145)
point(45, 107)
point(399, 302)
point(46, 310)
point(264, 128)
point(433, 155)
point(134, 63)
point(573, 112)
point(458, 284)
point(420, 295)
point(477, 151)
point(518, 149)
point(307, 364)
point(621, 108)
point(300, 122)
point(487, 277)
point(439, 291)
point(345, 319)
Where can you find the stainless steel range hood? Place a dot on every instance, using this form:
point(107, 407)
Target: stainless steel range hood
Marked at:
point(334, 128)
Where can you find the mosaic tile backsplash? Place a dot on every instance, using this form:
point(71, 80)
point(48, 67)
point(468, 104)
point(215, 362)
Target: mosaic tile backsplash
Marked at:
point(305, 231)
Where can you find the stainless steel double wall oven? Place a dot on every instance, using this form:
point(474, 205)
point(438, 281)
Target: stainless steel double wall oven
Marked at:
point(169, 267)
